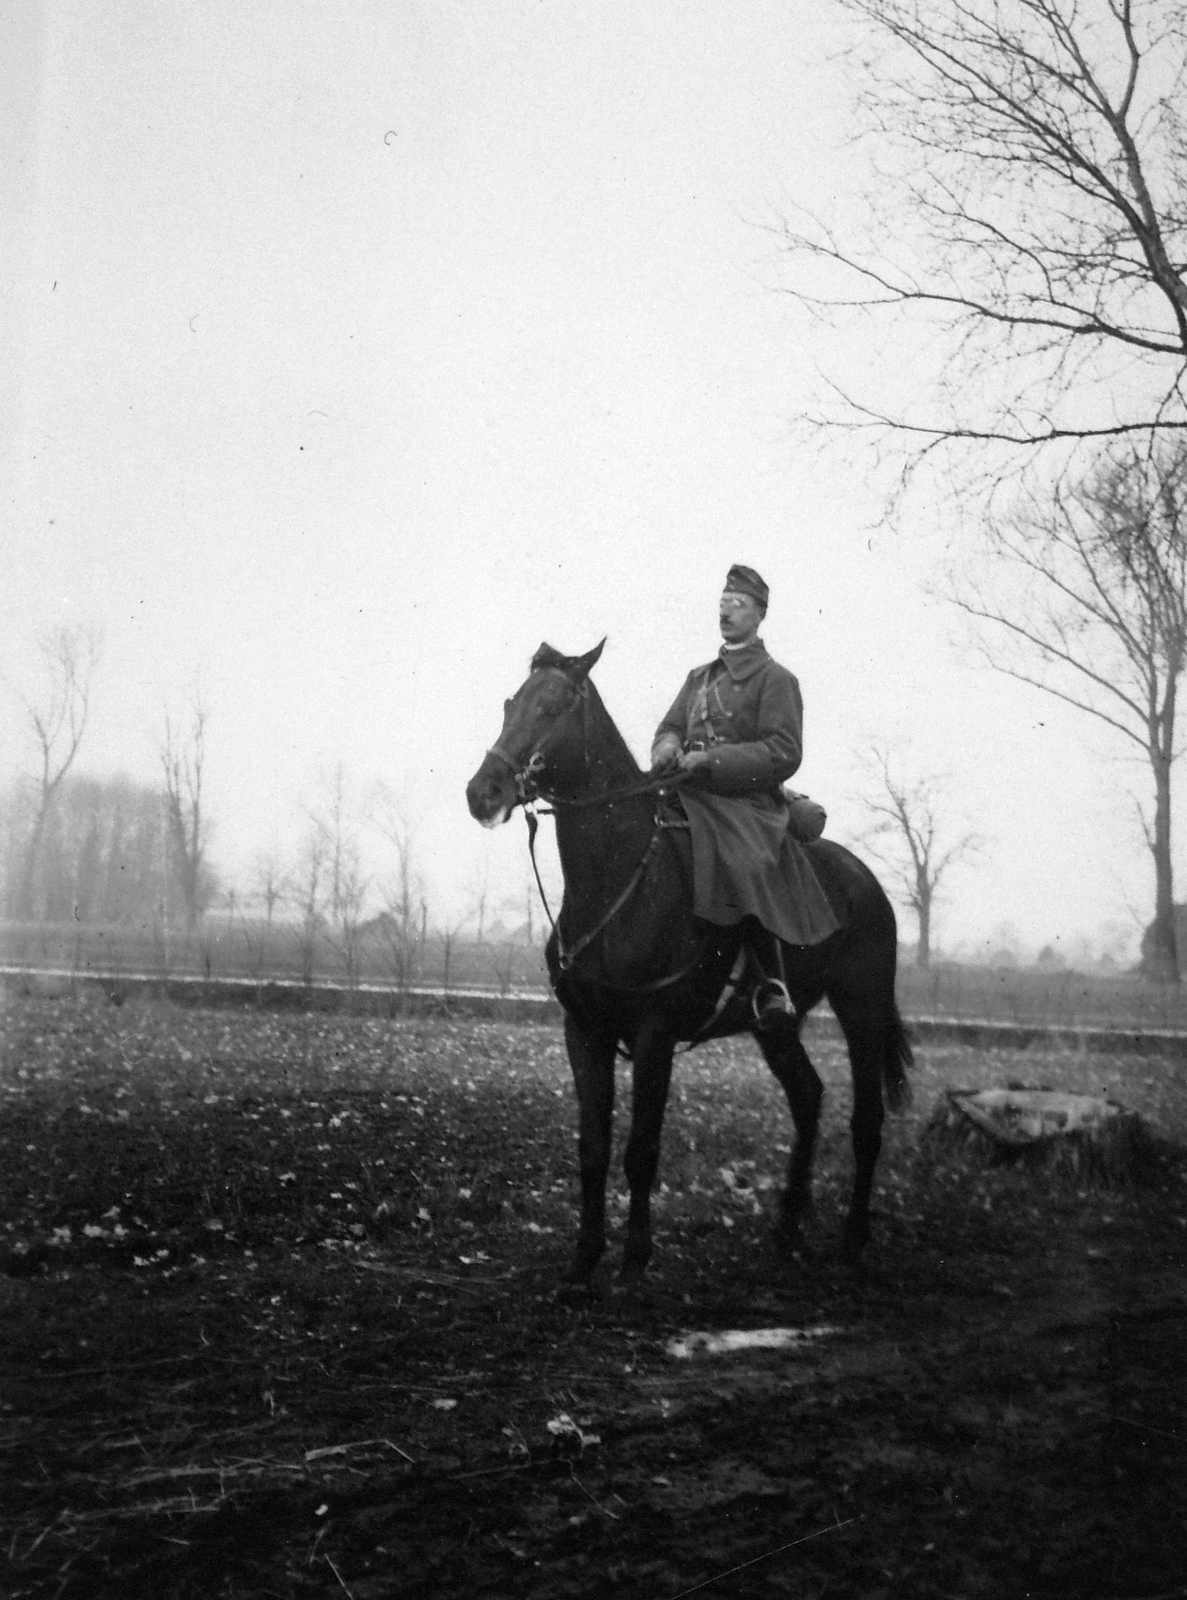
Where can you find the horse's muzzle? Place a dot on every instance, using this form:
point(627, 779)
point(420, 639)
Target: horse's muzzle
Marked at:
point(491, 793)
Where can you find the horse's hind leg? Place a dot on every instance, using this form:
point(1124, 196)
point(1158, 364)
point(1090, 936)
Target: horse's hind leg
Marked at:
point(864, 1036)
point(788, 1060)
point(653, 1073)
point(592, 1061)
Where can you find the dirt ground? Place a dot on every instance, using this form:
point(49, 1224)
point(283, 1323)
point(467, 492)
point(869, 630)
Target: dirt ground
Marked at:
point(281, 1317)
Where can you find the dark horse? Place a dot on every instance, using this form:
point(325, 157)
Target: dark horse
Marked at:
point(634, 969)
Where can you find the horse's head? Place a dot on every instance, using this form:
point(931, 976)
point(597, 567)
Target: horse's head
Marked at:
point(540, 744)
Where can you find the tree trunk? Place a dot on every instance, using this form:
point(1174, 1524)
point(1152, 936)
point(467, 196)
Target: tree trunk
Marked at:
point(1163, 963)
point(31, 877)
point(923, 912)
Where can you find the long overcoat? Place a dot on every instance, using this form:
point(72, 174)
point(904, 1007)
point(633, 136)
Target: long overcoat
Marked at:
point(746, 712)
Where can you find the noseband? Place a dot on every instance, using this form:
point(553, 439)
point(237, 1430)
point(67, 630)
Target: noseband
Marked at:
point(521, 776)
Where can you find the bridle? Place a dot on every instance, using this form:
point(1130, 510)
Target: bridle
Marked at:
point(523, 774)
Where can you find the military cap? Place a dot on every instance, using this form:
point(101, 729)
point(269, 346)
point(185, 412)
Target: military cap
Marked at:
point(744, 580)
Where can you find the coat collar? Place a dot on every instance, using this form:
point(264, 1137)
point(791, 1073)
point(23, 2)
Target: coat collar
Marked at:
point(744, 663)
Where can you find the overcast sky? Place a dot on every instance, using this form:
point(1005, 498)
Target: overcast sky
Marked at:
point(350, 350)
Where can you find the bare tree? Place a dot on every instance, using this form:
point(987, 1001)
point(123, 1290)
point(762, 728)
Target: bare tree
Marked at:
point(1085, 598)
point(396, 930)
point(306, 890)
point(347, 886)
point(1028, 220)
point(183, 760)
point(253, 939)
point(449, 935)
point(503, 962)
point(912, 838)
point(267, 882)
point(57, 720)
point(480, 896)
point(403, 893)
point(267, 887)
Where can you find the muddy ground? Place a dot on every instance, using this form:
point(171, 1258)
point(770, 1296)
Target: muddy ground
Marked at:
point(281, 1318)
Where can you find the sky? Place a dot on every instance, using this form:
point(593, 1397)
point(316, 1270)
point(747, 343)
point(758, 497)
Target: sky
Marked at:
point(348, 351)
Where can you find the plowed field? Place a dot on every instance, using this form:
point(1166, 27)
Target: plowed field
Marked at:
point(282, 1317)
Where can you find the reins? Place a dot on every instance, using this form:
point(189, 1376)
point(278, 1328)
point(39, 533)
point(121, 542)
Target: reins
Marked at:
point(566, 958)
point(651, 783)
point(530, 794)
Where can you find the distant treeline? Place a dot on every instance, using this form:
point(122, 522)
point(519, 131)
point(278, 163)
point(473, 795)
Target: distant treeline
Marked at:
point(100, 875)
point(102, 850)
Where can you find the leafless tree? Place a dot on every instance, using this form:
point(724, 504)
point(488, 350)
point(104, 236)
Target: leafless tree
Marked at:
point(57, 720)
point(267, 887)
point(253, 939)
point(267, 882)
point(503, 962)
point(306, 889)
point(911, 834)
point(449, 935)
point(1028, 221)
point(347, 886)
point(183, 761)
point(1084, 596)
point(403, 893)
point(480, 897)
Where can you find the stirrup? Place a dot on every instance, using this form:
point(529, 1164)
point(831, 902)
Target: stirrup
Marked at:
point(771, 1003)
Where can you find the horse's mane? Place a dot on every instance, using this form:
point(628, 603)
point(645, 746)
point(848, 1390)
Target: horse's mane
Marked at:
point(577, 669)
point(620, 744)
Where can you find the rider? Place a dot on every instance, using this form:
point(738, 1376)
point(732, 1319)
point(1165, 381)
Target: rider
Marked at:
point(736, 728)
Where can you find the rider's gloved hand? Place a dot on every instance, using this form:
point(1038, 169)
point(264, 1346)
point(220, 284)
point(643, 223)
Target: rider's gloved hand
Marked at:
point(696, 764)
point(665, 757)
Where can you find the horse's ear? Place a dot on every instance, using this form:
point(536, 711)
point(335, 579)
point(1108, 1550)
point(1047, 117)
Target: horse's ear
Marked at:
point(582, 666)
point(546, 656)
point(578, 667)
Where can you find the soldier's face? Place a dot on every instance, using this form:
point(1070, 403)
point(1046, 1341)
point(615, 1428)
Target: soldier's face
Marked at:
point(738, 617)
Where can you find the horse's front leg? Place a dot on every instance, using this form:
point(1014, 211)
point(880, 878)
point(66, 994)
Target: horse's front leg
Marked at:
point(592, 1061)
point(652, 1075)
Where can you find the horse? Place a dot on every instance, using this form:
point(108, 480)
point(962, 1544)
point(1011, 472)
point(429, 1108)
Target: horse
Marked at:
point(638, 975)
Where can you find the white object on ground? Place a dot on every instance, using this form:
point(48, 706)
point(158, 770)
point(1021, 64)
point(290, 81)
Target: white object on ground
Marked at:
point(726, 1342)
point(1025, 1116)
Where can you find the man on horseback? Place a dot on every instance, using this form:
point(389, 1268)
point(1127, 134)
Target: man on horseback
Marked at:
point(736, 728)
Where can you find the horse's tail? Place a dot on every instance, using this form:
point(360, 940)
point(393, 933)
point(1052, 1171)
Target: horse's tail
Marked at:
point(897, 1057)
